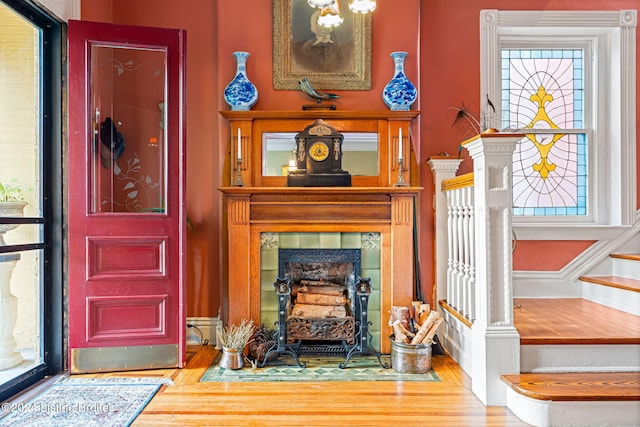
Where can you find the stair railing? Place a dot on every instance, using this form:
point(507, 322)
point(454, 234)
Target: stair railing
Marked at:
point(460, 237)
point(474, 261)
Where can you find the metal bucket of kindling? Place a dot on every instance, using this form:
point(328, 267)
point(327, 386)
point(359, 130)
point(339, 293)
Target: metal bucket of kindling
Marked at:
point(410, 358)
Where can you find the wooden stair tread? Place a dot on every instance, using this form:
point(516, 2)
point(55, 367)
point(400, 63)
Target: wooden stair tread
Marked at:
point(632, 257)
point(544, 321)
point(614, 282)
point(578, 386)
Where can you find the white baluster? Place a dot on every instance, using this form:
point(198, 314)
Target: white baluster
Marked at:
point(450, 241)
point(454, 252)
point(472, 259)
point(460, 255)
point(466, 247)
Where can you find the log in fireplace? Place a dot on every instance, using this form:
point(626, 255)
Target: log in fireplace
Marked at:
point(321, 306)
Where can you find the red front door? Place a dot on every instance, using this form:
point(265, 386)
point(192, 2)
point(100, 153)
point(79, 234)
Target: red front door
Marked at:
point(126, 197)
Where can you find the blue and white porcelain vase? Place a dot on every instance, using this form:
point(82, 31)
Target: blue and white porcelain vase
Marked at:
point(240, 93)
point(399, 93)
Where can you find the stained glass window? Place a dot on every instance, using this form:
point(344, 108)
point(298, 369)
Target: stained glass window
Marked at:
point(543, 96)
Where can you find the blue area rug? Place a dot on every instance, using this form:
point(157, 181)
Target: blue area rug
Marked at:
point(364, 368)
point(84, 402)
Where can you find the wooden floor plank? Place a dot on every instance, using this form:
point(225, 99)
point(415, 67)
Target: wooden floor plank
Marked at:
point(447, 403)
point(573, 321)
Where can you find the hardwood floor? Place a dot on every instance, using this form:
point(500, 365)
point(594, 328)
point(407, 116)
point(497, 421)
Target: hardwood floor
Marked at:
point(191, 403)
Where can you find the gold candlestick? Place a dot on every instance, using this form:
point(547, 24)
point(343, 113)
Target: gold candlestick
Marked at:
point(237, 181)
point(400, 182)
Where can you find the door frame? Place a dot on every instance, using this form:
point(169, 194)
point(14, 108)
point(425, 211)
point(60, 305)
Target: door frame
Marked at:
point(52, 284)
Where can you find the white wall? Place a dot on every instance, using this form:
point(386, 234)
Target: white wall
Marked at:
point(63, 9)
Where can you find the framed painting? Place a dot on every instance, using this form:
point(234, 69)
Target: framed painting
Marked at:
point(337, 58)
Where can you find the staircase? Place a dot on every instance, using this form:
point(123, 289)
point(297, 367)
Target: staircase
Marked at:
point(580, 357)
point(575, 358)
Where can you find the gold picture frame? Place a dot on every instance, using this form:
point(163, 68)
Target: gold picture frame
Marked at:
point(337, 58)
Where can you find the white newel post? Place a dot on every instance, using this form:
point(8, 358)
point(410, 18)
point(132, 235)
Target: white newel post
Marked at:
point(443, 168)
point(8, 313)
point(495, 341)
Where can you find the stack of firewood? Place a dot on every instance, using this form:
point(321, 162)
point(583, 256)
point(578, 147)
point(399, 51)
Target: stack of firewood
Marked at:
point(414, 325)
point(319, 299)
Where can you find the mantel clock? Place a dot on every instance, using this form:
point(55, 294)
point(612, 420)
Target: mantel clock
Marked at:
point(319, 158)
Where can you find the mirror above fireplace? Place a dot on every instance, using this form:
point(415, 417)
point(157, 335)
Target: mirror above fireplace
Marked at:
point(371, 145)
point(360, 154)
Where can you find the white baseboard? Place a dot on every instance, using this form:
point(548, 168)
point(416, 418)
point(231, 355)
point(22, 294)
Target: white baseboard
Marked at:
point(202, 330)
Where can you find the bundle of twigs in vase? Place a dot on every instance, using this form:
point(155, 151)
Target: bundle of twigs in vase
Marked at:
point(236, 336)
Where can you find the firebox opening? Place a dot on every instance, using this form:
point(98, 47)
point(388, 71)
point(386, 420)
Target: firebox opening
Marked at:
point(369, 246)
point(321, 309)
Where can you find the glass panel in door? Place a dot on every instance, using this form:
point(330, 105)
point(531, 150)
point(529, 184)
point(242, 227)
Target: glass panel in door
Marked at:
point(128, 105)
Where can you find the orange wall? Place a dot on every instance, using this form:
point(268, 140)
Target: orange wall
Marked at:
point(442, 39)
point(198, 18)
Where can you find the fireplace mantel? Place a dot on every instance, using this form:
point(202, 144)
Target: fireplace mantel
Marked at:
point(251, 211)
point(266, 205)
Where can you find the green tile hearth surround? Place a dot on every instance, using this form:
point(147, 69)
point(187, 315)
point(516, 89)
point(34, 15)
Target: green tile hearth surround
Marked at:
point(369, 243)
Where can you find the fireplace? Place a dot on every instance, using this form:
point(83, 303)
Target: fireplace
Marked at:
point(322, 305)
point(261, 220)
point(374, 203)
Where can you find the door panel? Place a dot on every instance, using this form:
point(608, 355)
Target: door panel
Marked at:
point(126, 197)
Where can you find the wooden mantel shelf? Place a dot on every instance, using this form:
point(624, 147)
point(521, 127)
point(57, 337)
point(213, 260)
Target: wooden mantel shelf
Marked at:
point(320, 114)
point(292, 191)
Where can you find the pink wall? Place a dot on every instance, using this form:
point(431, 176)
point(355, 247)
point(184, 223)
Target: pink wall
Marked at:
point(442, 39)
point(450, 74)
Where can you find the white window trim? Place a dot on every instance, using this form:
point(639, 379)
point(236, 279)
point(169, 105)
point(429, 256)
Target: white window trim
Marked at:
point(614, 35)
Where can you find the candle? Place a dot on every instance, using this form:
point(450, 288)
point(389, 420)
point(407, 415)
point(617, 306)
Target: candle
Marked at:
point(239, 145)
point(400, 145)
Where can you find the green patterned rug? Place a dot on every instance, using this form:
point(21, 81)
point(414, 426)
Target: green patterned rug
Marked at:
point(362, 368)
